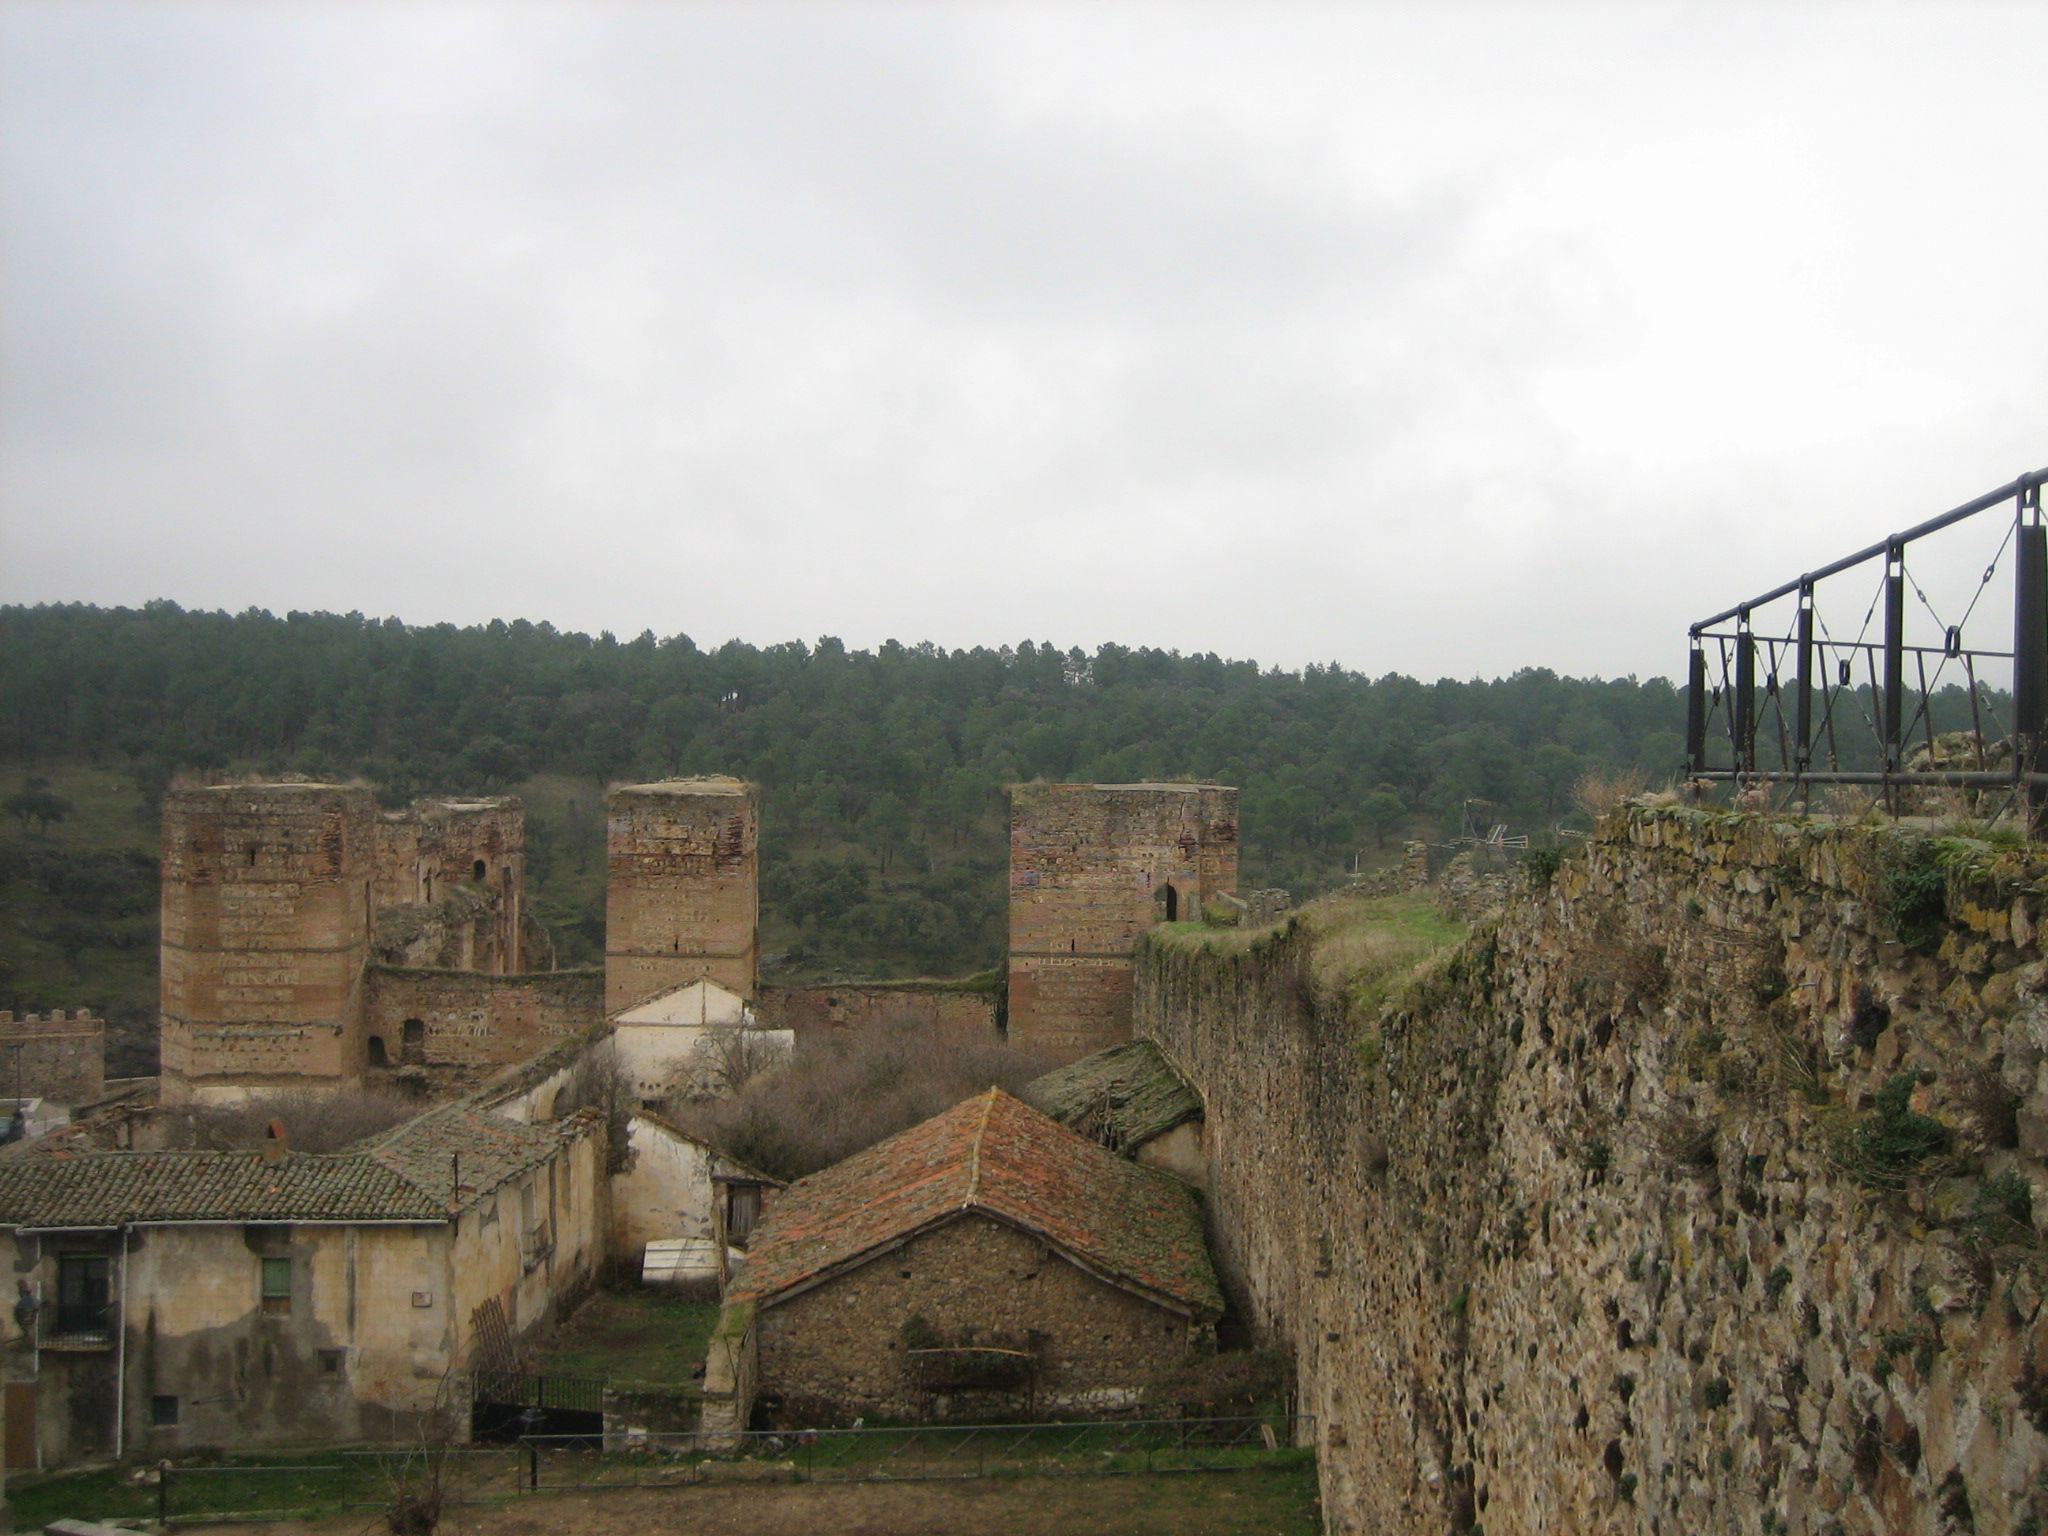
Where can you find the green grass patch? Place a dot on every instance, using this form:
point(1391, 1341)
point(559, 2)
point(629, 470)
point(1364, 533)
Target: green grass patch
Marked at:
point(633, 1336)
point(1363, 950)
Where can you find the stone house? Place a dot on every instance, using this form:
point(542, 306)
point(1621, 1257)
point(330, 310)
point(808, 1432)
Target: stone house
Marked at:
point(988, 1261)
point(171, 1299)
point(1134, 1101)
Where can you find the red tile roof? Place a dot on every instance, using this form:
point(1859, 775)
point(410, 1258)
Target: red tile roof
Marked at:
point(998, 1156)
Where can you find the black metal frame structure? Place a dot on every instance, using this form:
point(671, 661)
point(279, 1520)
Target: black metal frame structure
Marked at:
point(1740, 699)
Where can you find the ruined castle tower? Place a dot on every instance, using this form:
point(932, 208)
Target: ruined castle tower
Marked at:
point(1091, 867)
point(467, 859)
point(683, 898)
point(266, 928)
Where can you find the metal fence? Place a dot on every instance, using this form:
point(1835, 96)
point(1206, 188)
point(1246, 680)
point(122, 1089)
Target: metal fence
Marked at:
point(1834, 677)
point(374, 1479)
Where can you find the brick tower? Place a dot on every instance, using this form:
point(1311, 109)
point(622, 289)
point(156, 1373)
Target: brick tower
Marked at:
point(1091, 867)
point(683, 897)
point(266, 927)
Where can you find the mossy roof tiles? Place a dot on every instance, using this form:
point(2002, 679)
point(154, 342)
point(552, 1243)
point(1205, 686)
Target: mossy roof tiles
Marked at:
point(997, 1156)
point(1123, 1097)
point(407, 1174)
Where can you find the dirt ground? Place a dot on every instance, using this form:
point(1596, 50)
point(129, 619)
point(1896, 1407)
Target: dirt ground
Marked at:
point(1253, 1503)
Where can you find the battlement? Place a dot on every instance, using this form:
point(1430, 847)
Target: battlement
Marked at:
point(56, 1022)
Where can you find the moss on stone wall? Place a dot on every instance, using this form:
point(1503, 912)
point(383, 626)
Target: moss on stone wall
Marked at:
point(1723, 1111)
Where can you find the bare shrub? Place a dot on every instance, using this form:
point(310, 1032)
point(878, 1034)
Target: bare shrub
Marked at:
point(314, 1120)
point(850, 1091)
point(729, 1059)
point(1684, 1140)
point(1599, 790)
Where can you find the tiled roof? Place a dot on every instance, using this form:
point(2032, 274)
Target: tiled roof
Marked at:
point(488, 1150)
point(407, 1174)
point(1122, 1097)
point(998, 1156)
point(82, 1187)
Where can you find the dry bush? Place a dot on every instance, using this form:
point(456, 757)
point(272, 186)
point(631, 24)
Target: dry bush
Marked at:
point(1599, 790)
point(849, 1092)
point(313, 1120)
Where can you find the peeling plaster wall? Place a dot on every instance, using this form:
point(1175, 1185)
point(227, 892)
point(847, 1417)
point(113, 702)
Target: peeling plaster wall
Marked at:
point(1582, 1233)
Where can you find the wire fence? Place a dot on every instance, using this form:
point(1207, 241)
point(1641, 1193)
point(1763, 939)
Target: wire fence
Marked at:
point(377, 1479)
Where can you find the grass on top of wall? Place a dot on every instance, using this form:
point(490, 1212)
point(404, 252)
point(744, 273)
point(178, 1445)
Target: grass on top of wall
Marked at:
point(1363, 948)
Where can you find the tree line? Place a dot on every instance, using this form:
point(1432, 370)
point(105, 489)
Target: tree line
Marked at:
point(883, 771)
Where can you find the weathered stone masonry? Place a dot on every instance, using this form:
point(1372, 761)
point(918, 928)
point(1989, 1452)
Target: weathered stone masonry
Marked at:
point(1584, 1234)
point(1091, 867)
point(683, 899)
point(266, 925)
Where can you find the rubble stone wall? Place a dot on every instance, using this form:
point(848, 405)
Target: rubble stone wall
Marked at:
point(57, 1056)
point(813, 1014)
point(837, 1351)
point(442, 848)
point(1603, 1226)
point(471, 1019)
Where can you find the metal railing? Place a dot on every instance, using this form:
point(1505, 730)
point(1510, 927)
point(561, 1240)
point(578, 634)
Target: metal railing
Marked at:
point(1778, 696)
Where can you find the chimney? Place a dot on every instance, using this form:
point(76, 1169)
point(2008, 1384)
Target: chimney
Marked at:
point(275, 1144)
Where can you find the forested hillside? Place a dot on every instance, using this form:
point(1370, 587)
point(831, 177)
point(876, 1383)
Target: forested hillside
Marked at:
point(884, 818)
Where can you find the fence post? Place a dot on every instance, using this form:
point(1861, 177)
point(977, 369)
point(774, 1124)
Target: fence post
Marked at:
point(1696, 708)
point(1803, 703)
point(1894, 716)
point(1745, 696)
point(2030, 646)
point(163, 1494)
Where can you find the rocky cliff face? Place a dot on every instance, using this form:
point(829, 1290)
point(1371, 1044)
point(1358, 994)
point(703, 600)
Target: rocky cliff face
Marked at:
point(1695, 1195)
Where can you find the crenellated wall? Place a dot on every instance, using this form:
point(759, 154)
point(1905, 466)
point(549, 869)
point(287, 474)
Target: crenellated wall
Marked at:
point(1602, 1224)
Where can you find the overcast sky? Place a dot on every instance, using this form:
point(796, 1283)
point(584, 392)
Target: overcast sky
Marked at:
point(1434, 337)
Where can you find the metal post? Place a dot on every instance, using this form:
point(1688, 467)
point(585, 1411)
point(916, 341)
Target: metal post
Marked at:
point(1745, 696)
point(1696, 709)
point(1802, 701)
point(2030, 642)
point(163, 1495)
point(1894, 715)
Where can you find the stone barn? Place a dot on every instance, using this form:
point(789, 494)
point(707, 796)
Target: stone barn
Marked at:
point(989, 1262)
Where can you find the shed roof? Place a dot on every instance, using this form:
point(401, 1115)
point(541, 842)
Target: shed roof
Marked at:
point(1123, 1097)
point(998, 1156)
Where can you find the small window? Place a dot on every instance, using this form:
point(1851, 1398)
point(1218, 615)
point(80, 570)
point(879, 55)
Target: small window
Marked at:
point(332, 1360)
point(412, 1042)
point(277, 1287)
point(379, 1056)
point(163, 1411)
point(742, 1210)
point(84, 1294)
point(479, 869)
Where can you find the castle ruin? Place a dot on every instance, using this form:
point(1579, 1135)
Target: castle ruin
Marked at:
point(1092, 866)
point(683, 898)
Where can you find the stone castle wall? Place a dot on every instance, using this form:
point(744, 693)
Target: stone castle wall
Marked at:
point(439, 849)
point(683, 896)
point(1091, 867)
point(266, 922)
point(1601, 1226)
point(57, 1056)
point(816, 1013)
point(473, 1019)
